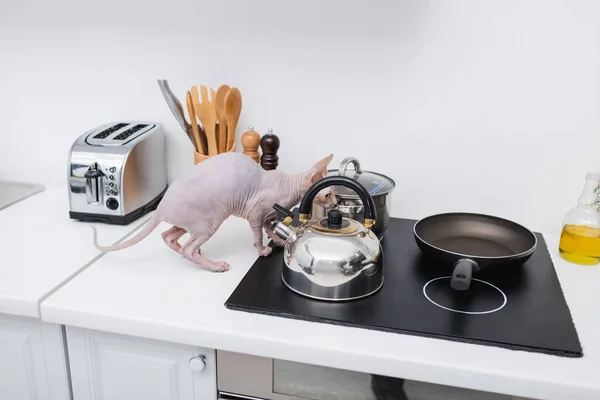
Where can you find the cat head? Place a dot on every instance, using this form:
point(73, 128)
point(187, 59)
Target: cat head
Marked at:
point(326, 198)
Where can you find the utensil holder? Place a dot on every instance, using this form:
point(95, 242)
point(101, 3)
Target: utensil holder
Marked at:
point(198, 158)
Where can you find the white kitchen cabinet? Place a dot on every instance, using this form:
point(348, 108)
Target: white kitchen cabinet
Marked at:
point(32, 360)
point(106, 366)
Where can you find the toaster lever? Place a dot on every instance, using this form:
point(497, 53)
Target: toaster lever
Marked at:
point(93, 185)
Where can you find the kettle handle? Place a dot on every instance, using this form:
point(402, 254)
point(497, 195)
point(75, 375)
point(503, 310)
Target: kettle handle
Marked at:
point(370, 212)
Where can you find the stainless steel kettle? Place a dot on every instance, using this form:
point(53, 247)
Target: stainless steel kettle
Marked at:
point(331, 258)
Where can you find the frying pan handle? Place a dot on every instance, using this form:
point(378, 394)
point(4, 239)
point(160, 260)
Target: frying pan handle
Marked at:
point(462, 273)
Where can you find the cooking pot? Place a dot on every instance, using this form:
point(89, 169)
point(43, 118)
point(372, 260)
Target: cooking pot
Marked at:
point(349, 202)
point(334, 257)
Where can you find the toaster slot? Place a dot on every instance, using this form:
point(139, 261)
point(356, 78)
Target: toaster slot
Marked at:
point(118, 133)
point(107, 132)
point(125, 134)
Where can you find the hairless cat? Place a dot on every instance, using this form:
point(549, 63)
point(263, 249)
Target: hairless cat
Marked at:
point(227, 184)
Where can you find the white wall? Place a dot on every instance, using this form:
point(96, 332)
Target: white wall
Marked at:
point(488, 106)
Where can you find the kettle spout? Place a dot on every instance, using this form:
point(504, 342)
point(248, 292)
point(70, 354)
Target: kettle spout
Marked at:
point(281, 226)
point(282, 230)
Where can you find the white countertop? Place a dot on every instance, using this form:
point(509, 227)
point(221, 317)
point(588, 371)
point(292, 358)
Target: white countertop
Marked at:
point(150, 291)
point(42, 247)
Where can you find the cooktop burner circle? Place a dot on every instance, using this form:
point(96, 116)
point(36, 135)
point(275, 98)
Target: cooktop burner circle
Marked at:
point(481, 298)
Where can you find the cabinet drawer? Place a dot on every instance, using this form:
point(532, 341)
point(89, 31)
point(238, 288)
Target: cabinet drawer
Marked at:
point(107, 366)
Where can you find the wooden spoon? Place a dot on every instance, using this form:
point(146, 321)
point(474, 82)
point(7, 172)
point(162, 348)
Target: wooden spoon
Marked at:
point(205, 111)
point(233, 109)
point(220, 107)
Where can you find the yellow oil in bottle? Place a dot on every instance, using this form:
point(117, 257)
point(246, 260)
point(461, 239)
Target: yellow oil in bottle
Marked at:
point(580, 244)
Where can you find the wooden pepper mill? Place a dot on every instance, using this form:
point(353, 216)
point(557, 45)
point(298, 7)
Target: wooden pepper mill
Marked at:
point(250, 141)
point(269, 144)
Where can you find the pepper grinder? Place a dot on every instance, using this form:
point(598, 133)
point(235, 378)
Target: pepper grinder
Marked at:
point(250, 141)
point(269, 144)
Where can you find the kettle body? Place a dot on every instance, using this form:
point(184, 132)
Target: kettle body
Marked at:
point(331, 258)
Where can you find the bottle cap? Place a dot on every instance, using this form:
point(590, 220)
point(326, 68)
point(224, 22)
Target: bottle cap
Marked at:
point(593, 176)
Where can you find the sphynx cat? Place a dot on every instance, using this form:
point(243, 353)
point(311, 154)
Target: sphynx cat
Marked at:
point(227, 184)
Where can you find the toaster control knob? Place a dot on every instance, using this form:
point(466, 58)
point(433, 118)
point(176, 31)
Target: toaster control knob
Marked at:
point(112, 203)
point(112, 170)
point(111, 177)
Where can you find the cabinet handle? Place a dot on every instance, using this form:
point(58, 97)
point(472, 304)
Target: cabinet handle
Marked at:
point(198, 363)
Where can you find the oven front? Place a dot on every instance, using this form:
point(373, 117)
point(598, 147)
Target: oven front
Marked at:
point(243, 376)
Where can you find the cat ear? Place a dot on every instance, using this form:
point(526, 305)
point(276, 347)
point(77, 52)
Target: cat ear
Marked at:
point(319, 170)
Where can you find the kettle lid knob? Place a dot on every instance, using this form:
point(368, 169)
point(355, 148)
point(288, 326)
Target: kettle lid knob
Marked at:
point(334, 219)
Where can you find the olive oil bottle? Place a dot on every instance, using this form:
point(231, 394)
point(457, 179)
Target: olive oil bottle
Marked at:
point(580, 237)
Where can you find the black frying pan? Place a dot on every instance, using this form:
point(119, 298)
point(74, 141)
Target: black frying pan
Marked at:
point(471, 242)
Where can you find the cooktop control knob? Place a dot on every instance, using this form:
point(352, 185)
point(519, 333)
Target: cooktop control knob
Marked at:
point(198, 363)
point(112, 203)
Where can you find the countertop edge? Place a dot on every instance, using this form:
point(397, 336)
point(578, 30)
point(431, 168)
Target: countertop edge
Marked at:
point(444, 374)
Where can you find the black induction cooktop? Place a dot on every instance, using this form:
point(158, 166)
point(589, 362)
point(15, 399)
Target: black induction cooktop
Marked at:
point(519, 309)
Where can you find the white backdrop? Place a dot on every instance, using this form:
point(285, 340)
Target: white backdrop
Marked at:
point(488, 106)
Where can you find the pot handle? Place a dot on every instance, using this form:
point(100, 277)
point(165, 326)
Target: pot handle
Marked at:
point(344, 165)
point(462, 274)
point(370, 212)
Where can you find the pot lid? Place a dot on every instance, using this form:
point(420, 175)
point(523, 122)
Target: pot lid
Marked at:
point(375, 183)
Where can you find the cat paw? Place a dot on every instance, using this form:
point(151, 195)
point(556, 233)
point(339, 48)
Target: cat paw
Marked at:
point(265, 251)
point(219, 266)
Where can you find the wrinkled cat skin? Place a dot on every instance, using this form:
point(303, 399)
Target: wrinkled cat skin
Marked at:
point(228, 184)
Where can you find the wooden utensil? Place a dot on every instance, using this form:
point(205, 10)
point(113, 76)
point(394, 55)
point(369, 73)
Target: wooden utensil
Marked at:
point(233, 108)
point(213, 96)
point(220, 107)
point(195, 130)
point(250, 142)
point(206, 113)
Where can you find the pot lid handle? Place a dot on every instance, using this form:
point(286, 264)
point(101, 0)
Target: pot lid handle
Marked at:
point(344, 165)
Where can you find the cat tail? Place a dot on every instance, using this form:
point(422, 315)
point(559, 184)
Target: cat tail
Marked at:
point(150, 226)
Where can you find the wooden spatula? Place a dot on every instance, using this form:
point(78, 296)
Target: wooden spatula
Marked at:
point(233, 109)
point(207, 114)
point(220, 106)
point(213, 96)
point(190, 107)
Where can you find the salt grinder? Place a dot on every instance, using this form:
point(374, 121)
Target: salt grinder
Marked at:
point(250, 141)
point(269, 145)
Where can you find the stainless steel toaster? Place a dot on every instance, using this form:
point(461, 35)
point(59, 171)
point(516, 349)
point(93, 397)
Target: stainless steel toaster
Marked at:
point(117, 172)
